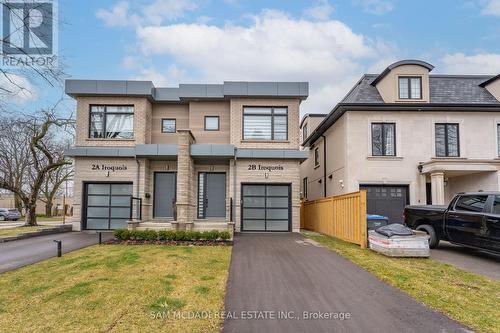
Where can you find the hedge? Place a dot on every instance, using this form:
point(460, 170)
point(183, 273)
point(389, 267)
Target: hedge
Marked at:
point(171, 235)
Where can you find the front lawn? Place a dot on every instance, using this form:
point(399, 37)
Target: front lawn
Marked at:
point(118, 288)
point(18, 230)
point(469, 298)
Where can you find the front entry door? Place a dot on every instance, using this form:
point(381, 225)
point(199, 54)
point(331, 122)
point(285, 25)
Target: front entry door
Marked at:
point(164, 194)
point(211, 195)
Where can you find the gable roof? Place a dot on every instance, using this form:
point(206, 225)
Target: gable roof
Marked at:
point(490, 80)
point(401, 63)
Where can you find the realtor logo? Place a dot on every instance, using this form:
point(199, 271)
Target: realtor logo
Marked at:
point(29, 33)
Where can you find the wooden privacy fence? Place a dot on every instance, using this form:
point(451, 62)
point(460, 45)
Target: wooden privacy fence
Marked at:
point(342, 216)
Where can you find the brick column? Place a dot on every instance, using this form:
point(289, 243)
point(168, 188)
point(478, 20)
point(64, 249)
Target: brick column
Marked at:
point(185, 168)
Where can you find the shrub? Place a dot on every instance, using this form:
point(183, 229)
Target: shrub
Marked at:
point(121, 234)
point(166, 235)
point(211, 235)
point(180, 235)
point(225, 235)
point(193, 235)
point(147, 235)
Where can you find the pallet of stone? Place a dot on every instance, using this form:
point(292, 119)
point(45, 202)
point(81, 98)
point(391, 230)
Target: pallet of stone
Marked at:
point(416, 245)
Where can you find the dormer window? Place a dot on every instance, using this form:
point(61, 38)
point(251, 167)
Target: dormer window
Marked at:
point(410, 87)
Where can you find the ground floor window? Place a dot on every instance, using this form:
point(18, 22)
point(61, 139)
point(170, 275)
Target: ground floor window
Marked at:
point(107, 205)
point(265, 207)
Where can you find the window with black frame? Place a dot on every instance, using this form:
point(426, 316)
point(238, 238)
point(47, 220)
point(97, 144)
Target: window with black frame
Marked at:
point(383, 139)
point(447, 140)
point(410, 87)
point(111, 122)
point(304, 132)
point(498, 139)
point(265, 123)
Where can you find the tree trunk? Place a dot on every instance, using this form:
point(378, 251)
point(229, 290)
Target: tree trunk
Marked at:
point(18, 203)
point(48, 208)
point(31, 215)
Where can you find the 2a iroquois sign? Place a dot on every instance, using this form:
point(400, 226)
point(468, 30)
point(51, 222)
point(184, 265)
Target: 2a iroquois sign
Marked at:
point(260, 167)
point(107, 167)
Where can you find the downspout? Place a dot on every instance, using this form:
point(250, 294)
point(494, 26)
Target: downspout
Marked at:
point(324, 165)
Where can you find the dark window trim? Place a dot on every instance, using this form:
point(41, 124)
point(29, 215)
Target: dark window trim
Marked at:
point(265, 207)
point(175, 125)
point(446, 150)
point(384, 153)
point(316, 160)
point(205, 123)
point(272, 115)
point(408, 78)
point(104, 119)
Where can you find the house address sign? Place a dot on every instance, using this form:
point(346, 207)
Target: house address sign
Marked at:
point(259, 167)
point(107, 167)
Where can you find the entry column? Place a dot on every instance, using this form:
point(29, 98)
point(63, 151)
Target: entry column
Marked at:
point(437, 186)
point(185, 205)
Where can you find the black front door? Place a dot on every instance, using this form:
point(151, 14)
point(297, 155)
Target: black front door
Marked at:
point(465, 220)
point(386, 200)
point(265, 207)
point(107, 205)
point(164, 194)
point(211, 194)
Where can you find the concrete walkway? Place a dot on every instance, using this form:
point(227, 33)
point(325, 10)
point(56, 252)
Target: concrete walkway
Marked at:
point(28, 251)
point(282, 279)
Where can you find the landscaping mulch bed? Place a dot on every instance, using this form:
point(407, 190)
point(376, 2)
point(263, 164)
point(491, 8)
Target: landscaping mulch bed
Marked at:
point(170, 242)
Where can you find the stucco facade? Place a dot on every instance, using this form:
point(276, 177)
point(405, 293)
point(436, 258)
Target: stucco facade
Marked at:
point(168, 174)
point(413, 167)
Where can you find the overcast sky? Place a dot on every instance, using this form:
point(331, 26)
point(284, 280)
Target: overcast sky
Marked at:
point(330, 44)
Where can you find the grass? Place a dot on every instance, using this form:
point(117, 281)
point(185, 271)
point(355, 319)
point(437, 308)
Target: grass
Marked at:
point(469, 298)
point(118, 288)
point(17, 230)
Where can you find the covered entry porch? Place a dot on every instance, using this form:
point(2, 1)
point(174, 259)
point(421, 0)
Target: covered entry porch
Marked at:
point(445, 178)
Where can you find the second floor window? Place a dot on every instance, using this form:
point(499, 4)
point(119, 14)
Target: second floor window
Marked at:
point(304, 188)
point(447, 140)
point(168, 126)
point(316, 157)
point(304, 132)
point(265, 123)
point(498, 139)
point(111, 122)
point(410, 87)
point(383, 139)
point(211, 123)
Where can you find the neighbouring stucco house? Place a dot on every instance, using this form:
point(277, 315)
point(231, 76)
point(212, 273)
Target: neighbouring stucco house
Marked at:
point(407, 137)
point(195, 157)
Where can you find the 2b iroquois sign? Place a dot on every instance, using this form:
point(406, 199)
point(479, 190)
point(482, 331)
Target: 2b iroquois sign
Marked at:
point(260, 167)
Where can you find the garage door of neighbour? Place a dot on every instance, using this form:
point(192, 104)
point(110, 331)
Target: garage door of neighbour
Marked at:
point(107, 206)
point(388, 201)
point(265, 207)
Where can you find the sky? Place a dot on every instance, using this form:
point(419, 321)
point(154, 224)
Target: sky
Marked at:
point(328, 43)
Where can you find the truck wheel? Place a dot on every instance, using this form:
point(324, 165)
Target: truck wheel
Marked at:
point(433, 238)
point(2, 218)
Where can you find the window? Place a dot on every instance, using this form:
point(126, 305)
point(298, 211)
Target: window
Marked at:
point(211, 123)
point(383, 139)
point(304, 188)
point(498, 139)
point(304, 132)
point(496, 205)
point(265, 123)
point(447, 140)
point(168, 126)
point(111, 122)
point(410, 87)
point(316, 157)
point(471, 203)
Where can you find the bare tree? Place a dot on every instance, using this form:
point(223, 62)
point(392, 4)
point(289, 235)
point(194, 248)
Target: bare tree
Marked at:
point(31, 150)
point(51, 187)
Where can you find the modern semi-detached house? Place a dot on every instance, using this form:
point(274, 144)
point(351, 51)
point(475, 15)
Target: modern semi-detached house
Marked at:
point(407, 137)
point(195, 157)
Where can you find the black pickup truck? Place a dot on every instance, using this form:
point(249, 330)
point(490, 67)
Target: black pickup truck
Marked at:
point(471, 219)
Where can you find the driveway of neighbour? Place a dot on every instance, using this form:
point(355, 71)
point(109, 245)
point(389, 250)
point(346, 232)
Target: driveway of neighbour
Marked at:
point(284, 275)
point(27, 251)
point(479, 262)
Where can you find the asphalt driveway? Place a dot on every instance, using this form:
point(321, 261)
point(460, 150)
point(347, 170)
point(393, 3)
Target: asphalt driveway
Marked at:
point(27, 251)
point(471, 260)
point(284, 279)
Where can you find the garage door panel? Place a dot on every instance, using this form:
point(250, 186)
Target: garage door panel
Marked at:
point(98, 189)
point(98, 200)
point(97, 223)
point(98, 212)
point(265, 207)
